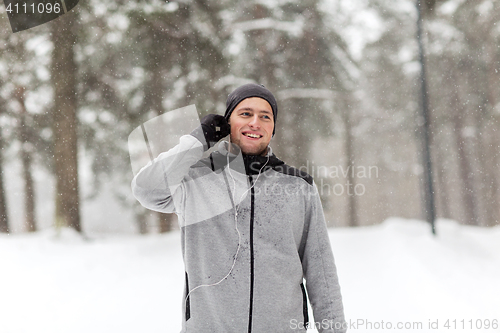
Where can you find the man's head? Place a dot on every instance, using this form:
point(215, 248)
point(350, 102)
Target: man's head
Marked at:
point(251, 112)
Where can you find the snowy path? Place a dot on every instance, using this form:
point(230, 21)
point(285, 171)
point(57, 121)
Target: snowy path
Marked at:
point(394, 273)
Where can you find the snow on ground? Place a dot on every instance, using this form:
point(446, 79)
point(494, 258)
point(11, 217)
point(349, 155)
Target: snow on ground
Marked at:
point(392, 274)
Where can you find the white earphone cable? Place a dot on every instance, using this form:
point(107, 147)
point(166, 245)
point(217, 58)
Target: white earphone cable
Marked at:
point(236, 207)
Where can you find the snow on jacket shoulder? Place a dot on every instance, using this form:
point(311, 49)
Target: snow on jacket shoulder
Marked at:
point(252, 230)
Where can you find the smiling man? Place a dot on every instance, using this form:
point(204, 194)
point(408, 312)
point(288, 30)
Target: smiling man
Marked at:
point(252, 227)
point(252, 125)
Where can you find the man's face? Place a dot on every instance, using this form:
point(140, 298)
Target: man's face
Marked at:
point(252, 125)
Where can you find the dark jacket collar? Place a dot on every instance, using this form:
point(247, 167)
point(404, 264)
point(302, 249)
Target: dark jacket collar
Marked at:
point(255, 163)
point(252, 163)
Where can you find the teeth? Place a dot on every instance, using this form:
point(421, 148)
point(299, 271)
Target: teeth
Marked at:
point(252, 135)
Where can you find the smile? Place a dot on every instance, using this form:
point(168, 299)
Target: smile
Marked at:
point(252, 135)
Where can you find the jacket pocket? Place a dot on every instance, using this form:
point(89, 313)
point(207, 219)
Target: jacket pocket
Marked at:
point(187, 300)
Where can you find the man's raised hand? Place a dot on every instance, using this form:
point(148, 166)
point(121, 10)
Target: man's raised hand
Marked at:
point(213, 127)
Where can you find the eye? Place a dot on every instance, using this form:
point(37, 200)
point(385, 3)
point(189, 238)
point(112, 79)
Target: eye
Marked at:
point(245, 113)
point(267, 117)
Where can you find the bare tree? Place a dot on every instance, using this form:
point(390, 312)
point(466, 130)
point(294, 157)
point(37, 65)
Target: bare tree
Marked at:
point(4, 220)
point(352, 215)
point(64, 126)
point(26, 159)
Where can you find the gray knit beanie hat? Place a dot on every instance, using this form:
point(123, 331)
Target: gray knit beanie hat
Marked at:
point(247, 91)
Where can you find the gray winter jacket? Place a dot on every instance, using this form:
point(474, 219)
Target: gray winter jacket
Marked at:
point(245, 270)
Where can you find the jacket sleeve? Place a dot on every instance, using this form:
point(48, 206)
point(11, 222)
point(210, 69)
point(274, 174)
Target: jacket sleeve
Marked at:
point(320, 272)
point(162, 180)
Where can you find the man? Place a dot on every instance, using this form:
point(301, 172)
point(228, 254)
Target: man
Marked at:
point(252, 227)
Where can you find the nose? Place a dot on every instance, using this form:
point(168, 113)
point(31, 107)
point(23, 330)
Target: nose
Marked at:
point(254, 122)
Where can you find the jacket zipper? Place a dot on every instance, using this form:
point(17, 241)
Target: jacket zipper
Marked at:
point(187, 313)
point(250, 312)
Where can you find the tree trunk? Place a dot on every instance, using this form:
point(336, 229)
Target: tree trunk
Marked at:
point(484, 176)
point(26, 149)
point(165, 222)
point(4, 220)
point(465, 172)
point(64, 121)
point(141, 216)
point(352, 215)
point(424, 131)
point(493, 153)
point(442, 185)
point(154, 96)
point(493, 163)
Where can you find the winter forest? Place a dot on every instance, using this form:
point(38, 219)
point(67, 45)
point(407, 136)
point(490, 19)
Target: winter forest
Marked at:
point(346, 74)
point(348, 77)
